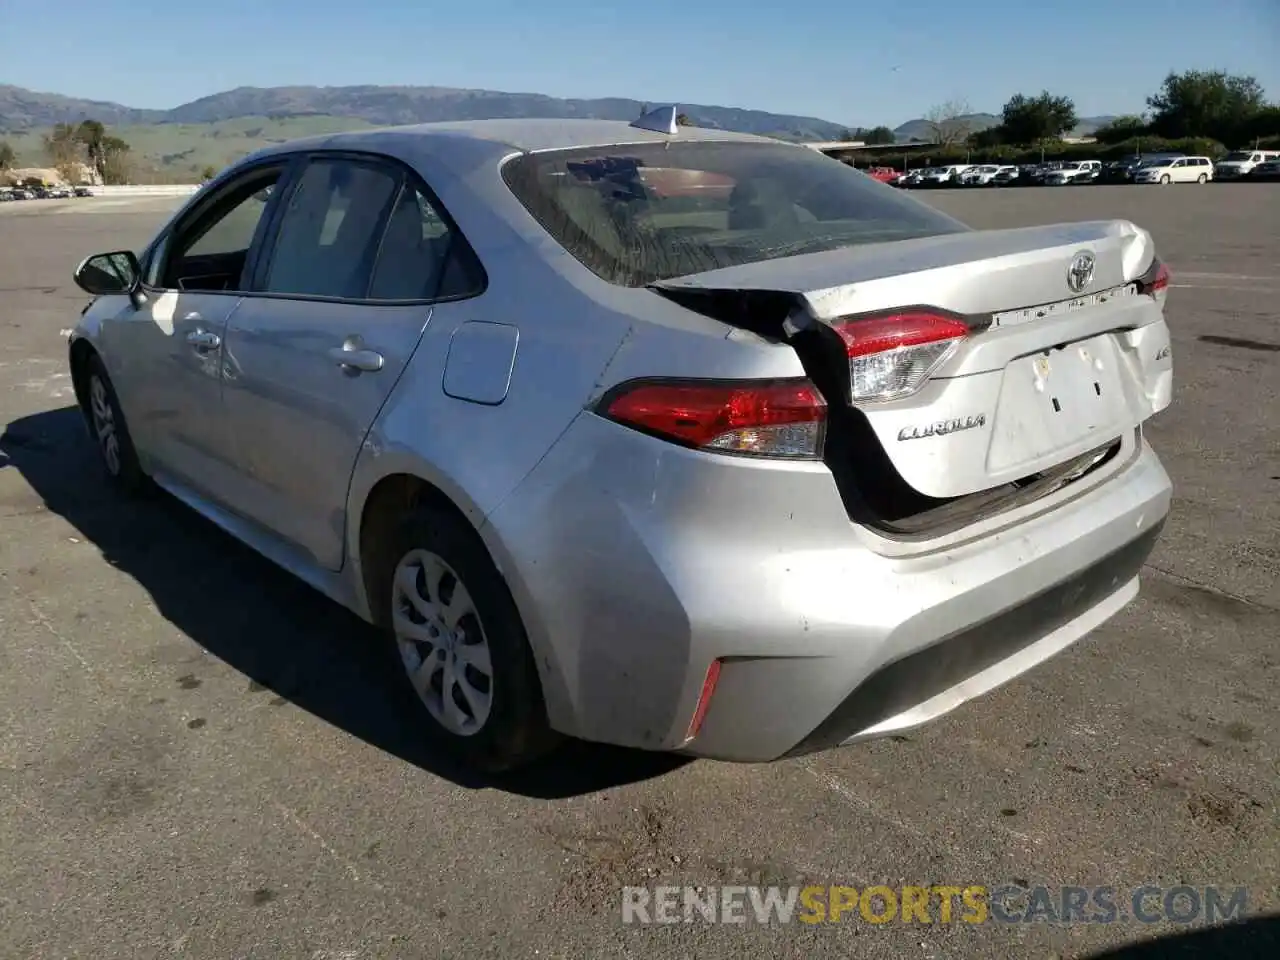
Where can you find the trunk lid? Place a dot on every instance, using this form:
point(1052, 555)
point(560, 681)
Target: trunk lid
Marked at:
point(1047, 373)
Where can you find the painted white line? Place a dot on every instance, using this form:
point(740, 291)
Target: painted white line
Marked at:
point(1219, 276)
point(1223, 286)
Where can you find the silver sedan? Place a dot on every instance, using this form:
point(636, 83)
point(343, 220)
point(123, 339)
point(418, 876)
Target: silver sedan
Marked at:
point(660, 436)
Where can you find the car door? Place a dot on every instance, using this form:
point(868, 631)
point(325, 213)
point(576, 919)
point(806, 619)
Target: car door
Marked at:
point(166, 353)
point(342, 298)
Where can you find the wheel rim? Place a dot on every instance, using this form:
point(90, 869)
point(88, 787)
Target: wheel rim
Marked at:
point(442, 642)
point(104, 425)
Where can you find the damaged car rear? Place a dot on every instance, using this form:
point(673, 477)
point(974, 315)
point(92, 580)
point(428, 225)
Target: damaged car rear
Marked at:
point(854, 463)
point(659, 436)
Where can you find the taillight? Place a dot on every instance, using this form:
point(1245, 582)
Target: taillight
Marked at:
point(762, 418)
point(1155, 280)
point(891, 355)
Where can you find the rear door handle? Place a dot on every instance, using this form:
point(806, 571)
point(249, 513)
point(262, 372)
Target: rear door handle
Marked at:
point(352, 357)
point(204, 340)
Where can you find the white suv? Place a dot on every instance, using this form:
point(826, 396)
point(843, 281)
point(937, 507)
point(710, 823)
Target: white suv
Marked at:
point(1179, 170)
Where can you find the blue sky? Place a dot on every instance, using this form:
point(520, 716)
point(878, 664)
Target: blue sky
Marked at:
point(853, 63)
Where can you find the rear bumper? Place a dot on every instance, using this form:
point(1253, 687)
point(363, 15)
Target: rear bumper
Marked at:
point(636, 564)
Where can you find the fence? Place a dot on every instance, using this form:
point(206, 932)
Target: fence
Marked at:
point(146, 190)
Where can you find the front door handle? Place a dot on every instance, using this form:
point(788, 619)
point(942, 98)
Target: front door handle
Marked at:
point(204, 340)
point(353, 356)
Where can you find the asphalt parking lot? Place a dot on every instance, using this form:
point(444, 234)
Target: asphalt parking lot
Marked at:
point(198, 757)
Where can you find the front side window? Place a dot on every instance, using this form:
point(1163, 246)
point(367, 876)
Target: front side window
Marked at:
point(640, 213)
point(330, 230)
point(208, 250)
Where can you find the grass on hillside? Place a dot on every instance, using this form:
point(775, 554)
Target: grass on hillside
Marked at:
point(178, 152)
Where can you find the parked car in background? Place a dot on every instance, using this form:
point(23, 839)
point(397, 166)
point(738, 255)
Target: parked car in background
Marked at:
point(1037, 174)
point(1180, 170)
point(1267, 170)
point(979, 176)
point(1073, 172)
point(1240, 163)
point(83, 192)
point(6, 195)
point(1006, 177)
point(883, 174)
point(947, 176)
point(813, 464)
point(1122, 171)
point(911, 178)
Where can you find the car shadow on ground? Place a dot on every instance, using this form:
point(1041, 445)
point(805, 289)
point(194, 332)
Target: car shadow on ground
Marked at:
point(1257, 938)
point(278, 632)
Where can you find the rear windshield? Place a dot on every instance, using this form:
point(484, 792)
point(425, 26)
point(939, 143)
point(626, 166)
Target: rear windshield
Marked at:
point(641, 213)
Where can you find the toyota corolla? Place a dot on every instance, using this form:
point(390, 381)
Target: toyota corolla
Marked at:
point(666, 437)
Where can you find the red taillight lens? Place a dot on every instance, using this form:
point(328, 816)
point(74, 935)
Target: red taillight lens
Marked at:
point(891, 355)
point(777, 418)
point(1155, 280)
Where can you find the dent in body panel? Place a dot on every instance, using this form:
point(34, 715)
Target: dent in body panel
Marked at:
point(476, 453)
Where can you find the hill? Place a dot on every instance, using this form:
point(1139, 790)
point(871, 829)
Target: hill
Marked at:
point(179, 143)
point(920, 129)
point(26, 109)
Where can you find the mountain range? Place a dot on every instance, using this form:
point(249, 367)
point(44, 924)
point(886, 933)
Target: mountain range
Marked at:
point(22, 110)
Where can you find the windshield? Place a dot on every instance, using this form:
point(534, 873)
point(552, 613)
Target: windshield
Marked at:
point(1238, 157)
point(641, 213)
point(1157, 162)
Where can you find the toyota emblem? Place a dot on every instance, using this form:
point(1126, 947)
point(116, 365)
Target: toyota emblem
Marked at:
point(1080, 273)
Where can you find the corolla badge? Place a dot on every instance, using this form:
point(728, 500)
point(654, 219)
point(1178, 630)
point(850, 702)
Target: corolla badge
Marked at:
point(1080, 273)
point(942, 427)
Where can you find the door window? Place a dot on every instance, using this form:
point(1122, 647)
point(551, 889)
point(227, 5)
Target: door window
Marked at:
point(330, 231)
point(422, 257)
point(208, 250)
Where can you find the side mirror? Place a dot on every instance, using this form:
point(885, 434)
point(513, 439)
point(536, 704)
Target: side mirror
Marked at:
point(106, 274)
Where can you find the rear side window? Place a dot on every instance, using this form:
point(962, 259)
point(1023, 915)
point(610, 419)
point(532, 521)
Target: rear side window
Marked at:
point(640, 213)
point(330, 230)
point(422, 257)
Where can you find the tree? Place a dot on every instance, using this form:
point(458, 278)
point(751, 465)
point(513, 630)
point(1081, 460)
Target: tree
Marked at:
point(682, 120)
point(1205, 103)
point(948, 123)
point(1121, 129)
point(7, 157)
point(115, 160)
point(62, 146)
point(1033, 120)
point(876, 135)
point(208, 172)
point(91, 134)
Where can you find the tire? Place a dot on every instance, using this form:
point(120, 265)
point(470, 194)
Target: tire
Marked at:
point(110, 432)
point(1165, 181)
point(1203, 178)
point(491, 722)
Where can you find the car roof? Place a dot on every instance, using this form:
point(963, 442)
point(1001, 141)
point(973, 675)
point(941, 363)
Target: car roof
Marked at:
point(507, 135)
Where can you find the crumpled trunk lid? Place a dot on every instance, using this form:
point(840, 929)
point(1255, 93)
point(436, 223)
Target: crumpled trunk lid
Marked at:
point(1049, 371)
